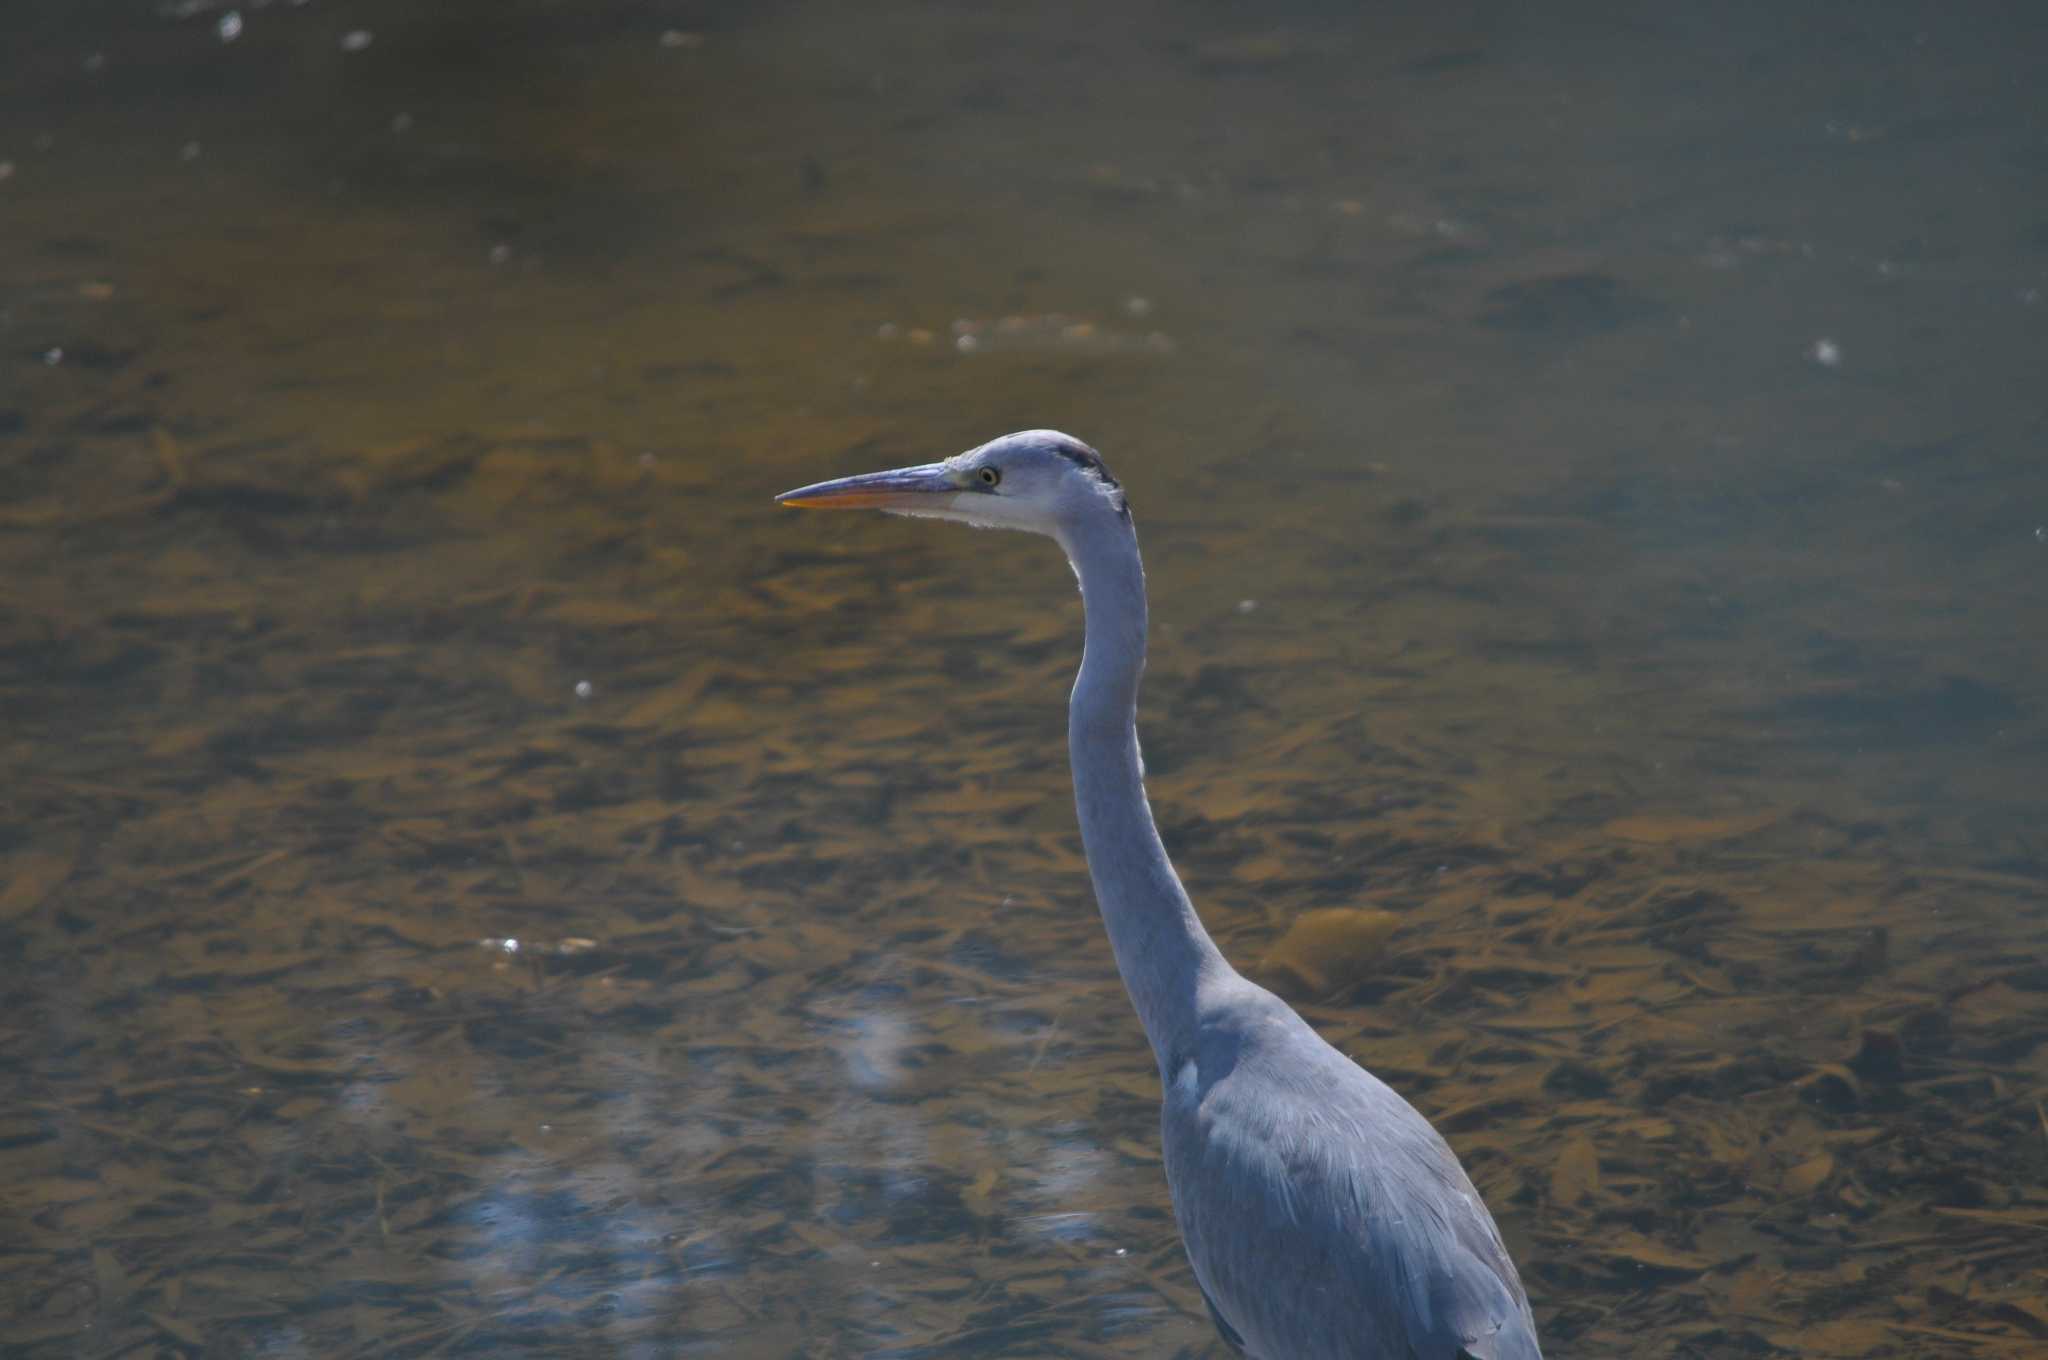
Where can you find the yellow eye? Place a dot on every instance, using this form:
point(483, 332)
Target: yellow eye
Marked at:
point(990, 476)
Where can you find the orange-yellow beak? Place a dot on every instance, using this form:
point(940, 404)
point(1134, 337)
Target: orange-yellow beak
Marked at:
point(901, 489)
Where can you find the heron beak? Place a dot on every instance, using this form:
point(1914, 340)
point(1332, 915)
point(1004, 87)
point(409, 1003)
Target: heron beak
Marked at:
point(901, 489)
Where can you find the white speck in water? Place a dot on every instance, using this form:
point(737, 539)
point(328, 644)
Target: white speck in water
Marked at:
point(54, 355)
point(966, 344)
point(1826, 353)
point(356, 39)
point(230, 26)
point(509, 946)
point(189, 151)
point(1138, 306)
point(1247, 606)
point(547, 1128)
point(1123, 1251)
point(401, 123)
point(501, 253)
point(583, 689)
point(675, 37)
point(2041, 533)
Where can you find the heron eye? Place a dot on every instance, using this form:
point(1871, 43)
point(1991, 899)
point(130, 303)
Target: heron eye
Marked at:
point(990, 476)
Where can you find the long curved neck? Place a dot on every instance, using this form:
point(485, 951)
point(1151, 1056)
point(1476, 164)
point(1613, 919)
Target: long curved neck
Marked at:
point(1161, 949)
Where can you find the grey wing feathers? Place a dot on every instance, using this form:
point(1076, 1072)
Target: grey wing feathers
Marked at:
point(1223, 1327)
point(1324, 1217)
point(1429, 1263)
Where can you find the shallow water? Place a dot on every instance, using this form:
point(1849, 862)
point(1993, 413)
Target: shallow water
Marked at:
point(479, 879)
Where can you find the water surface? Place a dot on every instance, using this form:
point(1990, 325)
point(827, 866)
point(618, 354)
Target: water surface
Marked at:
point(480, 880)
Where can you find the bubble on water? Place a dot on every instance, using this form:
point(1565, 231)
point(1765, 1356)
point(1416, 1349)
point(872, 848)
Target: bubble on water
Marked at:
point(1138, 306)
point(54, 355)
point(230, 26)
point(966, 344)
point(356, 39)
point(1247, 606)
point(583, 689)
point(1826, 353)
point(500, 253)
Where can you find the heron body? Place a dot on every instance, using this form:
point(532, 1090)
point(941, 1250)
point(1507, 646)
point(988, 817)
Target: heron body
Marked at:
point(1323, 1216)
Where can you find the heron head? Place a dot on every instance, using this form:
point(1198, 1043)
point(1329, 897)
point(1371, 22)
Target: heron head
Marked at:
point(1041, 481)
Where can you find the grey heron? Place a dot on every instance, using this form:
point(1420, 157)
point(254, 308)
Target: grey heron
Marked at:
point(1324, 1217)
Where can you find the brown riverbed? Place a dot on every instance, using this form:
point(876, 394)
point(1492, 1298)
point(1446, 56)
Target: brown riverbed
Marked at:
point(477, 879)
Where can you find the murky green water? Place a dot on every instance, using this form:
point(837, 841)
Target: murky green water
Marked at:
point(476, 879)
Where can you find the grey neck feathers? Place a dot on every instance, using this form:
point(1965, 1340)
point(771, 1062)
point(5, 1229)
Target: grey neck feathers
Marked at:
point(1161, 949)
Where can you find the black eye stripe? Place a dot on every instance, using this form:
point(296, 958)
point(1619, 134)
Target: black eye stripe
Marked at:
point(1080, 455)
